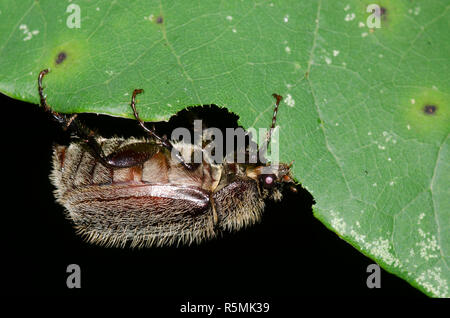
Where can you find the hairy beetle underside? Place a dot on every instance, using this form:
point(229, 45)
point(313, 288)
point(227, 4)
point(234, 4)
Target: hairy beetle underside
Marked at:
point(129, 191)
point(159, 202)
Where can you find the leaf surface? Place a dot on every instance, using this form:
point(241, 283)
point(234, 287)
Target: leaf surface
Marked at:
point(365, 115)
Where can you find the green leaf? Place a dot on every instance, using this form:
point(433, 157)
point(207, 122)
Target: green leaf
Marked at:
point(365, 116)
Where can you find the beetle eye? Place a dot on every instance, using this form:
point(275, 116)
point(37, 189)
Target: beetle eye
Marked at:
point(268, 180)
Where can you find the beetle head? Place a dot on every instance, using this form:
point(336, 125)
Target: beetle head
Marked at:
point(271, 179)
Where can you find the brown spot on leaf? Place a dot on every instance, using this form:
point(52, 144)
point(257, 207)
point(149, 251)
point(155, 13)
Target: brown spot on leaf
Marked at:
point(159, 20)
point(61, 57)
point(382, 13)
point(430, 109)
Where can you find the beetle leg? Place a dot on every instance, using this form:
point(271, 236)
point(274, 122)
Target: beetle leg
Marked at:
point(213, 207)
point(274, 121)
point(275, 110)
point(167, 144)
point(274, 116)
point(61, 118)
point(71, 122)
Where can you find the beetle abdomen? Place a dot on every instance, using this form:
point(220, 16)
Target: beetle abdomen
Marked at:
point(139, 205)
point(143, 215)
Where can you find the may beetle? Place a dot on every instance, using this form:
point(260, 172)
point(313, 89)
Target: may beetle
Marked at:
point(142, 192)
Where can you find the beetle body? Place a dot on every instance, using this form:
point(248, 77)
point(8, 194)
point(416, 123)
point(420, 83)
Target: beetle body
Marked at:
point(143, 192)
point(158, 202)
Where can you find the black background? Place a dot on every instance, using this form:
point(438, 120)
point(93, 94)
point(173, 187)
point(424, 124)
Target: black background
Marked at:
point(290, 253)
